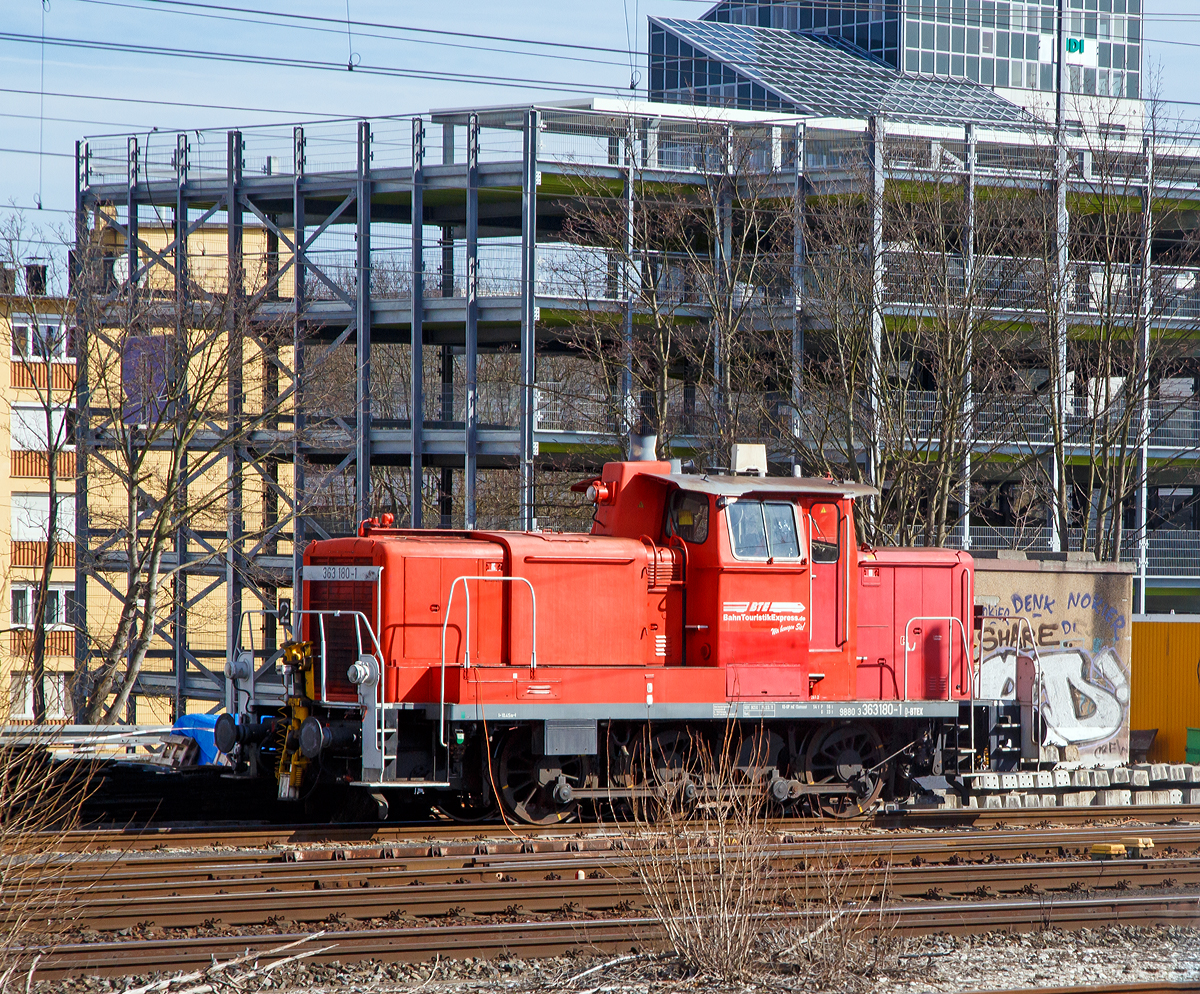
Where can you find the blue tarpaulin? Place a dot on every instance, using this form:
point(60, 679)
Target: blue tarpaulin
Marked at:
point(200, 727)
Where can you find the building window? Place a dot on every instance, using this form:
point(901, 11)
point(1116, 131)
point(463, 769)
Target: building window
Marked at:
point(24, 610)
point(30, 520)
point(21, 614)
point(39, 339)
point(28, 430)
point(20, 688)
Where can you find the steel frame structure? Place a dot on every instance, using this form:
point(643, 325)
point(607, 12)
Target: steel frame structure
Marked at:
point(299, 206)
point(314, 203)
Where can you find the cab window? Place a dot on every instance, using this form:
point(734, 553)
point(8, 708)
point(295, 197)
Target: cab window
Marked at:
point(763, 530)
point(826, 532)
point(688, 517)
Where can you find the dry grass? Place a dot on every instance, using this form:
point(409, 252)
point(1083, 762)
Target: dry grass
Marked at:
point(733, 909)
point(39, 803)
point(839, 934)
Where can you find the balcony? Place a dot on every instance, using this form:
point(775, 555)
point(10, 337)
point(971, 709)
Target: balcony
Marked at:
point(34, 554)
point(1173, 554)
point(35, 465)
point(1018, 422)
point(31, 375)
point(59, 642)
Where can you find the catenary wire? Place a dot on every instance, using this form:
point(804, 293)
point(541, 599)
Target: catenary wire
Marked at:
point(382, 25)
point(313, 64)
point(320, 28)
point(286, 62)
point(186, 103)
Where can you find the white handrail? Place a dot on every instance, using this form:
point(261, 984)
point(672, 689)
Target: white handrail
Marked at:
point(949, 650)
point(846, 607)
point(467, 639)
point(811, 566)
point(358, 616)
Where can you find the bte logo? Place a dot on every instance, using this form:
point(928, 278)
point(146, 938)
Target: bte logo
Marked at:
point(763, 607)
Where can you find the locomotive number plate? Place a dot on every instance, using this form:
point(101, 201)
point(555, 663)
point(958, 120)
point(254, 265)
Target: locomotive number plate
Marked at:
point(342, 574)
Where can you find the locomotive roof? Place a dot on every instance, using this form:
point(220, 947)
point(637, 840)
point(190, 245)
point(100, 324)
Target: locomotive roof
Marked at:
point(744, 486)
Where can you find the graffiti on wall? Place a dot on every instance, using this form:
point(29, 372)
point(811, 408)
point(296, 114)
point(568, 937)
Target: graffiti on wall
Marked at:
point(1063, 656)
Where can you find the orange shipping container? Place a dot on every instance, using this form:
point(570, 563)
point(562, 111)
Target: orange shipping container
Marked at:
point(1165, 681)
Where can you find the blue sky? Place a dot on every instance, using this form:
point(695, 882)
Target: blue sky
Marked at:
point(28, 122)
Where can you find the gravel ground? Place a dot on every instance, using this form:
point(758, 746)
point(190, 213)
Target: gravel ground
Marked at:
point(938, 963)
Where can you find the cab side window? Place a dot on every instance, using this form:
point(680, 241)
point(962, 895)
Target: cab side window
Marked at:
point(763, 530)
point(747, 530)
point(688, 517)
point(826, 531)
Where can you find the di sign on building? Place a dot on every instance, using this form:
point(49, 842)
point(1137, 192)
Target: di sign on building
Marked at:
point(1081, 52)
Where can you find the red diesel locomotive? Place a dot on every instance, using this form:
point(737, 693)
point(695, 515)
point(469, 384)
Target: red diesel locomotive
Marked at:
point(534, 669)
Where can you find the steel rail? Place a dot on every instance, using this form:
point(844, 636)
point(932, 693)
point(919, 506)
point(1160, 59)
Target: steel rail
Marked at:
point(1141, 988)
point(1043, 840)
point(151, 837)
point(544, 938)
point(607, 889)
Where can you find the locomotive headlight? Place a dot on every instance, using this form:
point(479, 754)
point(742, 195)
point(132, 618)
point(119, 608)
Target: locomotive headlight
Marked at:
point(599, 493)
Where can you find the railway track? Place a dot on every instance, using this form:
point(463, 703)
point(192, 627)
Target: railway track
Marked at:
point(240, 835)
point(999, 843)
point(538, 893)
point(1151, 988)
point(550, 937)
point(590, 872)
point(247, 896)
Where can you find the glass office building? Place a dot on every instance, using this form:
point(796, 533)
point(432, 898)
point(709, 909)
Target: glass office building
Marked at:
point(1006, 46)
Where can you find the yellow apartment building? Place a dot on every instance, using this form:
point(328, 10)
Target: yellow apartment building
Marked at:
point(38, 381)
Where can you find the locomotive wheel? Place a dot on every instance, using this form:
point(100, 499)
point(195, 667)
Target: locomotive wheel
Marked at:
point(676, 767)
point(757, 755)
point(846, 754)
point(528, 782)
point(658, 763)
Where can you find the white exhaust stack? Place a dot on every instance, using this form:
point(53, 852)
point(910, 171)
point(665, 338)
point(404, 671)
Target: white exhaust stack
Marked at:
point(641, 448)
point(749, 459)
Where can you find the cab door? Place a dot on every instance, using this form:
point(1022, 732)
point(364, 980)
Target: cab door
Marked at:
point(764, 600)
point(827, 531)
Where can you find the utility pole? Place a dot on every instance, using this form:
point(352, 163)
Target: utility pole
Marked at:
point(1062, 222)
point(1060, 40)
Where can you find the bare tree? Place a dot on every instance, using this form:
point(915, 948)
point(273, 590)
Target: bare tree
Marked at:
point(678, 282)
point(180, 389)
point(894, 401)
point(1100, 370)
